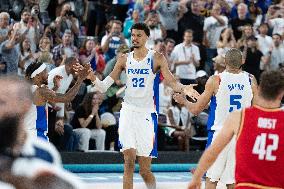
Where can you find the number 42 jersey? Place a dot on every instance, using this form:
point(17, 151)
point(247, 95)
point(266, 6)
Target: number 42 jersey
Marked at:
point(234, 92)
point(260, 149)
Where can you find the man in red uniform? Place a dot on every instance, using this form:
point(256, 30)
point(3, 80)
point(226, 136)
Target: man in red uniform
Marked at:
point(260, 139)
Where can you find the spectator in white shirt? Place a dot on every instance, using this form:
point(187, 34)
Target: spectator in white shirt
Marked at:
point(4, 26)
point(186, 59)
point(213, 26)
point(56, 126)
point(276, 52)
point(264, 41)
point(29, 26)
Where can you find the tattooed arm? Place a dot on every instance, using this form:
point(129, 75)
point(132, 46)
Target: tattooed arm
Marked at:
point(53, 97)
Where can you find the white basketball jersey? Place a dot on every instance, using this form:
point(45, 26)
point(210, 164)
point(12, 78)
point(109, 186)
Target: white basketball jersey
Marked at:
point(235, 92)
point(140, 83)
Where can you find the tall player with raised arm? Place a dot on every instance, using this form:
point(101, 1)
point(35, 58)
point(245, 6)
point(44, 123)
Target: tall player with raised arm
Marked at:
point(138, 116)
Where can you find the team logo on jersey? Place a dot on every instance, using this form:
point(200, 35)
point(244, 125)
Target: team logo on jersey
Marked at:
point(138, 71)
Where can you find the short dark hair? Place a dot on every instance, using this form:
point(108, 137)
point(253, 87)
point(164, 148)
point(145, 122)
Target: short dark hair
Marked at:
point(159, 40)
point(170, 40)
point(234, 58)
point(277, 34)
point(141, 26)
point(31, 68)
point(188, 31)
point(271, 84)
point(70, 60)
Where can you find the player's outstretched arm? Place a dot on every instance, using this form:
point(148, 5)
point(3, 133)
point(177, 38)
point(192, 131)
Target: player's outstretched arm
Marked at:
point(202, 100)
point(51, 96)
point(103, 86)
point(170, 79)
point(230, 128)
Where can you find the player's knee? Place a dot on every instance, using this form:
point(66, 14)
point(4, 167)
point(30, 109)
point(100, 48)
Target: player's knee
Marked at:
point(129, 164)
point(145, 172)
point(102, 133)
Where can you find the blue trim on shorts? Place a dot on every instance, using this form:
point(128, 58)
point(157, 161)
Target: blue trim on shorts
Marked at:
point(210, 137)
point(154, 152)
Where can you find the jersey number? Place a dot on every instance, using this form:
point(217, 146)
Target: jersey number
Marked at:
point(235, 103)
point(263, 151)
point(138, 82)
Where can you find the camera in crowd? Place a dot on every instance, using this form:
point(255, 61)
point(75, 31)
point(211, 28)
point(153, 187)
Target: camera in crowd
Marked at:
point(70, 13)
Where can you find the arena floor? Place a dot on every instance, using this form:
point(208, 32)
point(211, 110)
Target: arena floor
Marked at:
point(165, 180)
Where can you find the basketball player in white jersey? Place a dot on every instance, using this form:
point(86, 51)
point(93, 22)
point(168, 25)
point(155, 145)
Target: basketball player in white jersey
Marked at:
point(37, 116)
point(138, 118)
point(228, 91)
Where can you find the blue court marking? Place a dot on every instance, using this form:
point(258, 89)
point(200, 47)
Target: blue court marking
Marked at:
point(118, 168)
point(118, 177)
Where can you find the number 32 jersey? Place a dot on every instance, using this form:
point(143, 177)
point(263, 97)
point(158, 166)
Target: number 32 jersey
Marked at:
point(260, 149)
point(234, 92)
point(142, 83)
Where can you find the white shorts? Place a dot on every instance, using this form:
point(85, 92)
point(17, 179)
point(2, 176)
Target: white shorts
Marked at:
point(137, 130)
point(223, 169)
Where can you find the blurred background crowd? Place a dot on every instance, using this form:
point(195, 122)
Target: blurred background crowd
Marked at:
point(193, 35)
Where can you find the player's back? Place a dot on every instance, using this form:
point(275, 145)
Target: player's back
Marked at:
point(234, 92)
point(260, 149)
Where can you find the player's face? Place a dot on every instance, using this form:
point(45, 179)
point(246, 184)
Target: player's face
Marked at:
point(44, 76)
point(138, 38)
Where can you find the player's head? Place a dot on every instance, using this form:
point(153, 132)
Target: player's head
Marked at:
point(69, 64)
point(271, 85)
point(139, 34)
point(15, 101)
point(233, 58)
point(37, 73)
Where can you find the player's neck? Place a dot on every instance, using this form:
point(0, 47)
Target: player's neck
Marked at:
point(268, 104)
point(140, 52)
point(233, 70)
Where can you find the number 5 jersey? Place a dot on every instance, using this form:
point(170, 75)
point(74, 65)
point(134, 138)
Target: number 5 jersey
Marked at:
point(234, 92)
point(260, 149)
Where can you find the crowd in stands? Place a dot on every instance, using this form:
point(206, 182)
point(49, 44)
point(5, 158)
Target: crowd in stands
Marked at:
point(193, 35)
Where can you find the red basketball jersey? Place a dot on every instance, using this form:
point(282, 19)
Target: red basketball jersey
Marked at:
point(260, 149)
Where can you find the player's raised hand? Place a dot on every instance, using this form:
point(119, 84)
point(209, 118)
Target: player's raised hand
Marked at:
point(180, 98)
point(83, 73)
point(56, 81)
point(190, 91)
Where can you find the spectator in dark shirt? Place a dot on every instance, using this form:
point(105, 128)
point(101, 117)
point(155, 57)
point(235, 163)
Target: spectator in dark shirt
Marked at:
point(253, 58)
point(238, 23)
point(87, 124)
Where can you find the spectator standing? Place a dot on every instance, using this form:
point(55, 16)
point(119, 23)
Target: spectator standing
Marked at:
point(253, 58)
point(192, 20)
point(213, 26)
point(242, 20)
point(170, 12)
point(186, 59)
point(65, 49)
point(67, 21)
point(119, 9)
point(87, 124)
point(4, 26)
point(135, 18)
point(157, 30)
point(10, 54)
point(44, 53)
point(170, 45)
point(29, 26)
point(226, 41)
point(111, 41)
point(26, 56)
point(276, 53)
